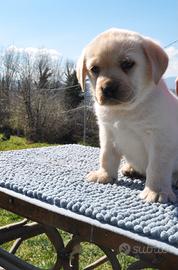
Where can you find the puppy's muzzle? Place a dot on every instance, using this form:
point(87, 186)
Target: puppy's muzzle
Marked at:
point(113, 93)
point(109, 91)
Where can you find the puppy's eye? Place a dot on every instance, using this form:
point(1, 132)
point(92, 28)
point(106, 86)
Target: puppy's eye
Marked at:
point(95, 70)
point(127, 65)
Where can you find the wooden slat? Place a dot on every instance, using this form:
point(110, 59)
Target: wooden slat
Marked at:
point(11, 262)
point(24, 232)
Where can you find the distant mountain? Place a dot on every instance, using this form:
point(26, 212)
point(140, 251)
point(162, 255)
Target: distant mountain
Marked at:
point(170, 81)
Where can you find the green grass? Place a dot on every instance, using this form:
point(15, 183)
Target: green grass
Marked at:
point(16, 143)
point(38, 250)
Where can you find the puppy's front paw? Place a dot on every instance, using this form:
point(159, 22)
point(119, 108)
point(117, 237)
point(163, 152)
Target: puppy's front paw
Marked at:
point(149, 195)
point(99, 176)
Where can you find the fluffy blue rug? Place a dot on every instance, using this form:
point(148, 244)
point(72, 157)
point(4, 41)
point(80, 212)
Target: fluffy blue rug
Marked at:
point(56, 176)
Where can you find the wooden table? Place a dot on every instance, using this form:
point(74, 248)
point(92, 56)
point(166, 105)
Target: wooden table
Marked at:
point(47, 221)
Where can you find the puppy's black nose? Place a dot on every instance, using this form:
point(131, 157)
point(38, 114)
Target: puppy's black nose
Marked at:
point(109, 91)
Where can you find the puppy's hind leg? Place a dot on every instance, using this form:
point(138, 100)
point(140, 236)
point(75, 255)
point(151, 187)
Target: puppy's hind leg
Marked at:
point(129, 171)
point(175, 179)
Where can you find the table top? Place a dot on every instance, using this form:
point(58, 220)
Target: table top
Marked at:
point(54, 178)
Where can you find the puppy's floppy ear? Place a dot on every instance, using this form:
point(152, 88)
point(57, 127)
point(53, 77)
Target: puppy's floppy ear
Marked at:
point(157, 59)
point(81, 70)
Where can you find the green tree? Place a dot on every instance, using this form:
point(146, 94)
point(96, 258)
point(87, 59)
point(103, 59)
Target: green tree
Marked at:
point(72, 94)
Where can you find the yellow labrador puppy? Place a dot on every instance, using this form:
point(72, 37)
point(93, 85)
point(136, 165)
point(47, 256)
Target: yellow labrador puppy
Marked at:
point(137, 115)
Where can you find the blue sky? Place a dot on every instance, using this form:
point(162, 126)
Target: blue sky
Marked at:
point(68, 25)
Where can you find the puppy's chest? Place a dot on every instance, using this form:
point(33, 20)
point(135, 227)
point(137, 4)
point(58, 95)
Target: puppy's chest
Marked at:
point(126, 137)
point(133, 142)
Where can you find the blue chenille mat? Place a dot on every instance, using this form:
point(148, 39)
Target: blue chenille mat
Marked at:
point(56, 176)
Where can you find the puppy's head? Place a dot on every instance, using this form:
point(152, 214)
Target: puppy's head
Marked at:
point(121, 66)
